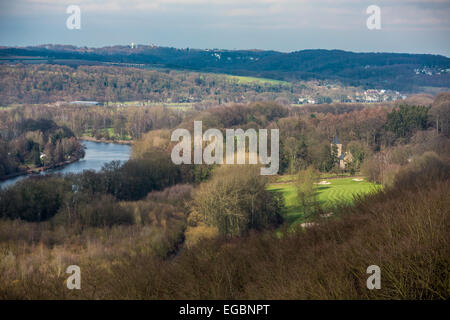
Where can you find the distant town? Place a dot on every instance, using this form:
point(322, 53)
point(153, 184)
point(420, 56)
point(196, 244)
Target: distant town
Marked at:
point(367, 96)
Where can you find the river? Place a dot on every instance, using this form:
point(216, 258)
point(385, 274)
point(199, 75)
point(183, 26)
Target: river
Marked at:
point(97, 154)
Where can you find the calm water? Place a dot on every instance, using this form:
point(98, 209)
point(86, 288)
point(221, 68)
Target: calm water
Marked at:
point(97, 154)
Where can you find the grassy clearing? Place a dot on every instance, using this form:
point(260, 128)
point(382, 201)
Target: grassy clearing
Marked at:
point(179, 106)
point(337, 192)
point(343, 190)
point(9, 107)
point(292, 212)
point(125, 103)
point(326, 175)
point(247, 80)
point(173, 105)
point(185, 106)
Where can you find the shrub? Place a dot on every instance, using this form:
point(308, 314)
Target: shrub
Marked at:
point(235, 200)
point(34, 199)
point(105, 213)
point(423, 171)
point(176, 194)
point(305, 188)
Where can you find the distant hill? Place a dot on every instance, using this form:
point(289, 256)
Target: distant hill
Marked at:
point(401, 72)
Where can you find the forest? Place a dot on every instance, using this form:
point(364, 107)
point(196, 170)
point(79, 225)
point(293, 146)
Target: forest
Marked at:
point(52, 83)
point(221, 231)
point(228, 159)
point(28, 144)
point(370, 70)
point(306, 133)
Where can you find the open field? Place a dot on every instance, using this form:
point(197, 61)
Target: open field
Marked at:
point(246, 80)
point(323, 175)
point(181, 106)
point(9, 107)
point(338, 191)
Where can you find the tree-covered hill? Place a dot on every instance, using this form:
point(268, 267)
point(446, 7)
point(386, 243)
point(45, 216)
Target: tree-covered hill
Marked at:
point(402, 72)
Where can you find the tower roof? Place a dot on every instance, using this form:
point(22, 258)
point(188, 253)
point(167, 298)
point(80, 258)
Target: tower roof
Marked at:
point(336, 140)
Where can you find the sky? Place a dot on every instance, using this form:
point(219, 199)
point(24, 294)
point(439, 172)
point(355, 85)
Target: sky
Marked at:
point(408, 26)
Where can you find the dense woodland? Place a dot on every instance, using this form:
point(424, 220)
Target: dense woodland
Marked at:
point(199, 231)
point(52, 83)
point(366, 132)
point(29, 143)
point(124, 123)
point(306, 133)
point(381, 140)
point(369, 70)
point(208, 232)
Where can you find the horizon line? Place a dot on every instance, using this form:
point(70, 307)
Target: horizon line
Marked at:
point(215, 49)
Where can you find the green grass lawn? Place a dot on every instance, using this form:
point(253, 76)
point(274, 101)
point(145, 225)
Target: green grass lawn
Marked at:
point(185, 106)
point(246, 80)
point(338, 191)
point(327, 175)
point(292, 212)
point(10, 107)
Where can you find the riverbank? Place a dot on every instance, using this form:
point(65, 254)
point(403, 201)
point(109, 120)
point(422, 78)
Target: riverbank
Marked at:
point(92, 139)
point(96, 155)
point(38, 170)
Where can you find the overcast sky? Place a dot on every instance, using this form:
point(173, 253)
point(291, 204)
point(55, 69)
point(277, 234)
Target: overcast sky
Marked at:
point(413, 26)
